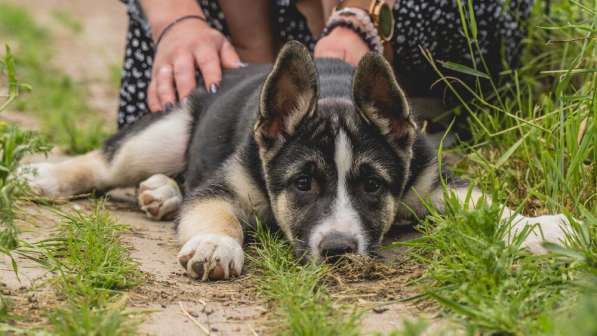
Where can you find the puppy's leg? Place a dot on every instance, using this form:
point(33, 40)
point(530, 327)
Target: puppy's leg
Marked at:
point(155, 144)
point(549, 228)
point(159, 197)
point(212, 238)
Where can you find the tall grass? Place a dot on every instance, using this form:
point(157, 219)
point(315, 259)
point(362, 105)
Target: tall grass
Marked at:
point(534, 147)
point(14, 145)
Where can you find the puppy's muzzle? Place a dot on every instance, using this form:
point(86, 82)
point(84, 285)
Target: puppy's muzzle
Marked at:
point(336, 244)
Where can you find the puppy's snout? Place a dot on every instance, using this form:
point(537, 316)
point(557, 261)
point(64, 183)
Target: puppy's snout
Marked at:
point(336, 244)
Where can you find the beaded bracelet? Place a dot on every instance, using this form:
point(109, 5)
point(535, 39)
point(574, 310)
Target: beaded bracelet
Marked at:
point(368, 39)
point(173, 23)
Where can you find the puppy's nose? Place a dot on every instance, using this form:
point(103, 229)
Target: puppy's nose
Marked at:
point(336, 244)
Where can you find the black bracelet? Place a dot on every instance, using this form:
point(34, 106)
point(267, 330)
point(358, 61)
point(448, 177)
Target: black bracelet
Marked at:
point(173, 23)
point(352, 26)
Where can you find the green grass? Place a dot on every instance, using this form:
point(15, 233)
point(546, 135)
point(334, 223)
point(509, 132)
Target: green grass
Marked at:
point(297, 291)
point(60, 102)
point(14, 145)
point(91, 264)
point(92, 267)
point(91, 254)
point(493, 287)
point(534, 148)
point(110, 319)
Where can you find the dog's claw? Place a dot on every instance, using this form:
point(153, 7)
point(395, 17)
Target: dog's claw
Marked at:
point(212, 257)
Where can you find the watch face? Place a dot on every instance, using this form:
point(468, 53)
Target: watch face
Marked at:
point(386, 22)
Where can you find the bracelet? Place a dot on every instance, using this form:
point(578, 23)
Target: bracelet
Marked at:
point(368, 39)
point(173, 23)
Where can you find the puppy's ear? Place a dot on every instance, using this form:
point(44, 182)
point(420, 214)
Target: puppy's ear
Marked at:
point(289, 94)
point(381, 101)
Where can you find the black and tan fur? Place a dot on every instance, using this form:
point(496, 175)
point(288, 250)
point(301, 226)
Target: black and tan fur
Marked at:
point(329, 153)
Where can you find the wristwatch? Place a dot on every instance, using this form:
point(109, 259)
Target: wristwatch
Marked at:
point(380, 12)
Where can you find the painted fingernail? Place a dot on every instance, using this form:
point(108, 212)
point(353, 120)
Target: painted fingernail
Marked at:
point(168, 107)
point(241, 64)
point(213, 88)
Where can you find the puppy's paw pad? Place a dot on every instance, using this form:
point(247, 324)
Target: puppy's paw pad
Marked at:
point(41, 179)
point(159, 196)
point(212, 257)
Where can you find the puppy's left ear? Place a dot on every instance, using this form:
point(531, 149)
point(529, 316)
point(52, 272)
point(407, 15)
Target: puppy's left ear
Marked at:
point(288, 94)
point(381, 101)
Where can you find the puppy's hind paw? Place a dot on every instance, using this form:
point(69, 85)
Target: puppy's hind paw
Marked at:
point(212, 257)
point(42, 179)
point(159, 197)
point(550, 228)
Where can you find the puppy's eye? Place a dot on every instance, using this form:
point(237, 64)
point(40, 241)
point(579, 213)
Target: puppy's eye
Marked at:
point(303, 183)
point(372, 185)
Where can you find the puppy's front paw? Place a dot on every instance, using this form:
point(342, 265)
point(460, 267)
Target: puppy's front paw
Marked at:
point(42, 179)
point(550, 228)
point(159, 197)
point(212, 257)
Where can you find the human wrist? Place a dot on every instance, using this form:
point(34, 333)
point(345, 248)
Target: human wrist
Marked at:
point(198, 24)
point(357, 21)
point(161, 13)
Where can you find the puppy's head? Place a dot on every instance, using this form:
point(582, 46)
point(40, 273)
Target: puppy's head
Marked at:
point(335, 166)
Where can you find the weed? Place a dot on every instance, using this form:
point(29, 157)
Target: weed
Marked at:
point(14, 145)
point(92, 265)
point(91, 256)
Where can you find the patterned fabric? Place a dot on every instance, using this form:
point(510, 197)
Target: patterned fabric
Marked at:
point(430, 24)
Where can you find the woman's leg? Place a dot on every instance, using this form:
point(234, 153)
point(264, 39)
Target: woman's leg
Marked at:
point(435, 25)
point(136, 74)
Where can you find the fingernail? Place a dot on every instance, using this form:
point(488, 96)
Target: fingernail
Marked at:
point(241, 64)
point(213, 88)
point(168, 107)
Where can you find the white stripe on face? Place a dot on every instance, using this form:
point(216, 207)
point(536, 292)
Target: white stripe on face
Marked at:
point(343, 218)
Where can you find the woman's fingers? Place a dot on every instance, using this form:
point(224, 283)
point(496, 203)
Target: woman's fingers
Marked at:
point(230, 58)
point(209, 64)
point(165, 85)
point(153, 101)
point(184, 74)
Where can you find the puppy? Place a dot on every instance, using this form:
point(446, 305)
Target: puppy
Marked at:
point(329, 153)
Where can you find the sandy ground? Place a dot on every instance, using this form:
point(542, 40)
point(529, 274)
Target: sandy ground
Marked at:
point(225, 308)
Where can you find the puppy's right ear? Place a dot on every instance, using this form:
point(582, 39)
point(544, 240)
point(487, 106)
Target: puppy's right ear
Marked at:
point(289, 93)
point(381, 101)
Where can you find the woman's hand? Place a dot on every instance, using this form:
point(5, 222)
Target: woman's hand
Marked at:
point(342, 43)
point(188, 45)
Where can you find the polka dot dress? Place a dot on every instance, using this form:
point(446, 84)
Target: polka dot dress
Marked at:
point(433, 25)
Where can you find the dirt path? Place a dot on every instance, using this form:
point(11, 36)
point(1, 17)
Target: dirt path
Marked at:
point(226, 308)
